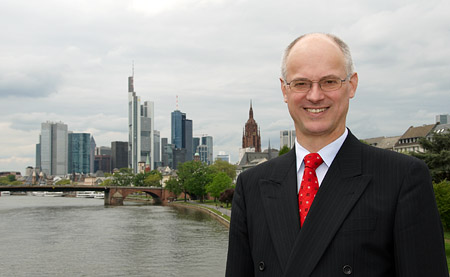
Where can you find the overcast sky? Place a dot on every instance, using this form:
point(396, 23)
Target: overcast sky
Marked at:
point(69, 61)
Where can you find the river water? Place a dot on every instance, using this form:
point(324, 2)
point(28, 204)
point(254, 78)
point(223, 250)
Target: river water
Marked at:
point(59, 236)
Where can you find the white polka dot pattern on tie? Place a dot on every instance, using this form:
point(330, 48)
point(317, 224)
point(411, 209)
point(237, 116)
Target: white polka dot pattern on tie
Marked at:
point(309, 186)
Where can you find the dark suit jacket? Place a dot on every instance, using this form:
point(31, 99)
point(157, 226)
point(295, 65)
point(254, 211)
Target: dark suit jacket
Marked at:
point(374, 215)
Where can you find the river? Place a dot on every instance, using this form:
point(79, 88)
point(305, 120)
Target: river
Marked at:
point(59, 236)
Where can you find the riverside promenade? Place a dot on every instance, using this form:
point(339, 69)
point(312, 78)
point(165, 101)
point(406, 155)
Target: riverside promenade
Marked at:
point(216, 211)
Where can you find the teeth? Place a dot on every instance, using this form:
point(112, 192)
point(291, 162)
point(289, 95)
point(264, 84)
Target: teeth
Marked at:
point(316, 110)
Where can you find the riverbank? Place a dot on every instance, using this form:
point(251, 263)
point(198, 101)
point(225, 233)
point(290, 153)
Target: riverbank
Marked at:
point(208, 209)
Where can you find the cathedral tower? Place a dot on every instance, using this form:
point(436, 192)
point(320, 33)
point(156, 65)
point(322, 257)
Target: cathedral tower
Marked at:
point(251, 136)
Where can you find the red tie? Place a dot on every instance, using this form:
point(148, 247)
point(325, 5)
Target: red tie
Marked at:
point(309, 185)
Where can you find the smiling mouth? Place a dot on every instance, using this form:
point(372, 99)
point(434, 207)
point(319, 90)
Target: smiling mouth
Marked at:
point(316, 110)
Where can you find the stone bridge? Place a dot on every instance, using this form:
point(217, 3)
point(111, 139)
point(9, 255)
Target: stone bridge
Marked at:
point(114, 195)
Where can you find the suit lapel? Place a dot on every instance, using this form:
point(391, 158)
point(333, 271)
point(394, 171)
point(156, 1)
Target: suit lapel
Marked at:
point(279, 198)
point(338, 193)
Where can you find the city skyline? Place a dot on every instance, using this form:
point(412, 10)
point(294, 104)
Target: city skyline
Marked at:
point(216, 56)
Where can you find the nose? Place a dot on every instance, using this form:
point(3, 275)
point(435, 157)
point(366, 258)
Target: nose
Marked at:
point(315, 94)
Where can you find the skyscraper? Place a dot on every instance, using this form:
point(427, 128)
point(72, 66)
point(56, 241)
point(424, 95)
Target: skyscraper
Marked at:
point(208, 141)
point(92, 154)
point(287, 137)
point(119, 154)
point(53, 148)
point(167, 153)
point(140, 129)
point(177, 128)
point(195, 144)
point(157, 149)
point(79, 153)
point(182, 134)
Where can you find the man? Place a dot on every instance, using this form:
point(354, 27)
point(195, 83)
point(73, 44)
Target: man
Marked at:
point(374, 212)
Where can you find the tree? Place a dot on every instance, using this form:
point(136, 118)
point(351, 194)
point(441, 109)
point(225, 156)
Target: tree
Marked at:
point(194, 176)
point(106, 182)
point(124, 177)
point(220, 182)
point(284, 150)
point(442, 194)
point(223, 166)
point(174, 186)
point(139, 179)
point(437, 156)
point(227, 196)
point(11, 178)
point(153, 179)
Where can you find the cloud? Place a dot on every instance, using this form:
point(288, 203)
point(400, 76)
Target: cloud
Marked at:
point(28, 80)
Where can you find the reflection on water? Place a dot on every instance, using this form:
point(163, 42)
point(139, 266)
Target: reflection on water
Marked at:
point(54, 236)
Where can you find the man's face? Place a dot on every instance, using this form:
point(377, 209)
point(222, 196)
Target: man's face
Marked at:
point(318, 113)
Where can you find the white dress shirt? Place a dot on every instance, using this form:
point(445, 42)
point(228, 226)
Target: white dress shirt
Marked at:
point(328, 153)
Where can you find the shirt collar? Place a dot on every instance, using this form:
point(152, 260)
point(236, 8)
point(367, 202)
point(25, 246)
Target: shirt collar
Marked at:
point(328, 153)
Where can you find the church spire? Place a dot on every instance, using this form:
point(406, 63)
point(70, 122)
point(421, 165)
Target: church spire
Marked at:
point(252, 136)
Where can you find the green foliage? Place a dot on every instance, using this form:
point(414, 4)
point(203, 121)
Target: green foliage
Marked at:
point(437, 156)
point(194, 176)
point(106, 182)
point(139, 179)
point(174, 186)
point(63, 182)
point(226, 167)
point(284, 150)
point(11, 178)
point(220, 182)
point(153, 179)
point(442, 194)
point(124, 177)
point(7, 181)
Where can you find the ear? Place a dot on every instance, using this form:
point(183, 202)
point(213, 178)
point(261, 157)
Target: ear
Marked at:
point(283, 89)
point(353, 82)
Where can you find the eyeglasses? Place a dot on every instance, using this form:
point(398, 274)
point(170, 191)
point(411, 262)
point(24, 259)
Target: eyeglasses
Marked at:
point(326, 84)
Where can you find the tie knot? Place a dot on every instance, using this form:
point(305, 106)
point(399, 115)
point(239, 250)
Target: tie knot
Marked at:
point(313, 160)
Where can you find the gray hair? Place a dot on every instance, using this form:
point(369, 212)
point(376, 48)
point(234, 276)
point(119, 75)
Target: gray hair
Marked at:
point(340, 43)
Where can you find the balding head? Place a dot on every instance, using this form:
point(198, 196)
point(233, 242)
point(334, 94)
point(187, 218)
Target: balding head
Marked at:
point(343, 47)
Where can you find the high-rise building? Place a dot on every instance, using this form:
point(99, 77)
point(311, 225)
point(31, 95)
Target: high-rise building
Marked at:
point(119, 154)
point(208, 141)
point(140, 129)
point(187, 139)
point(102, 159)
point(38, 155)
point(443, 119)
point(195, 144)
point(103, 150)
point(251, 138)
point(177, 126)
point(79, 153)
point(53, 148)
point(223, 156)
point(167, 153)
point(179, 157)
point(92, 154)
point(157, 149)
point(287, 137)
point(102, 163)
point(182, 133)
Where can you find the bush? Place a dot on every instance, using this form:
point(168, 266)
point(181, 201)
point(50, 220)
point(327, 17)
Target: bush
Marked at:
point(442, 194)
